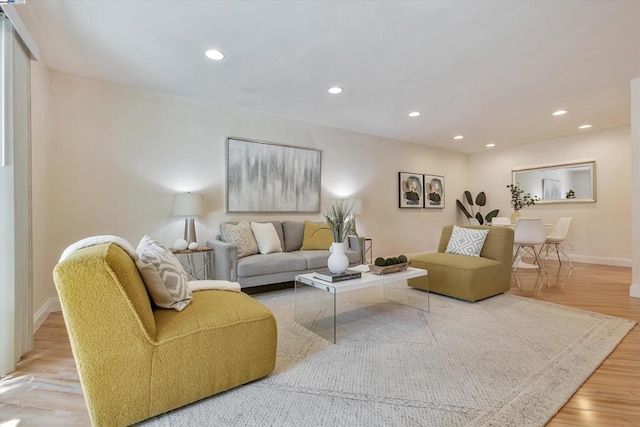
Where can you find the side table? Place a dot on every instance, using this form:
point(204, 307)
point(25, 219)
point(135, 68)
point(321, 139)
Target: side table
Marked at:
point(204, 272)
point(364, 245)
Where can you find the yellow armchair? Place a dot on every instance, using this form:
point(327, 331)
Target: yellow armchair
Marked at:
point(466, 277)
point(136, 361)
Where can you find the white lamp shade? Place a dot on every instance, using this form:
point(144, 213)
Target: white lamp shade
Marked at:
point(187, 204)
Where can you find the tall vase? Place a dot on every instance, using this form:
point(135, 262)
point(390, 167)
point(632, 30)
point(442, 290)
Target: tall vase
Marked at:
point(515, 216)
point(338, 261)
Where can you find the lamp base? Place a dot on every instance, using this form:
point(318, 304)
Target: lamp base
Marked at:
point(190, 230)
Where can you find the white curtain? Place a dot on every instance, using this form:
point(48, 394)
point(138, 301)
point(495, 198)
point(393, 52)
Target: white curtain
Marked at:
point(16, 318)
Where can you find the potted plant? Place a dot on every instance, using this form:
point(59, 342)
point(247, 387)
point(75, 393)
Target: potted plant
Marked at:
point(519, 200)
point(339, 215)
point(481, 201)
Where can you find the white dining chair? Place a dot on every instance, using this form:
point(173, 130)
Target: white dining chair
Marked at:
point(501, 220)
point(528, 233)
point(556, 237)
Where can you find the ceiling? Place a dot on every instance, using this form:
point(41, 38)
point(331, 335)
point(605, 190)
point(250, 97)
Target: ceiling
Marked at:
point(493, 71)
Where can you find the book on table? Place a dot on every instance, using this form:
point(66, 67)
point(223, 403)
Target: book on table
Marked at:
point(327, 276)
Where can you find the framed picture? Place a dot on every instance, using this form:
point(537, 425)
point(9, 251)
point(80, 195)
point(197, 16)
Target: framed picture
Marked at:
point(410, 190)
point(434, 191)
point(266, 177)
point(551, 189)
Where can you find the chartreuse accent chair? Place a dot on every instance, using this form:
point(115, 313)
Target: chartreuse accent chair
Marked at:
point(136, 361)
point(467, 277)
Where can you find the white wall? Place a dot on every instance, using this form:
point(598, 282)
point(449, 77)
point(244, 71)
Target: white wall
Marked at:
point(107, 159)
point(115, 156)
point(601, 231)
point(43, 251)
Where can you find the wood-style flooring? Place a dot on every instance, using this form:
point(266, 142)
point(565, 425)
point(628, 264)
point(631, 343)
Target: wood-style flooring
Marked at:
point(45, 390)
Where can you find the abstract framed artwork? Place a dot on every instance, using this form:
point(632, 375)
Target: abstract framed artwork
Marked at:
point(434, 192)
point(266, 177)
point(410, 190)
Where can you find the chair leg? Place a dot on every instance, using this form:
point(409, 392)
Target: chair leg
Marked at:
point(540, 263)
point(516, 260)
point(565, 255)
point(545, 247)
point(555, 246)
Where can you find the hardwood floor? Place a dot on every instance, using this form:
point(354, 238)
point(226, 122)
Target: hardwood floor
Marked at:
point(45, 390)
point(611, 396)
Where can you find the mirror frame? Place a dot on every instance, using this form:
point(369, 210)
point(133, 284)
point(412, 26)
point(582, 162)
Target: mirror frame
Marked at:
point(591, 163)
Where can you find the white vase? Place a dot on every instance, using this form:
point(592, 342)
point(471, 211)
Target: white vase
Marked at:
point(338, 261)
point(515, 216)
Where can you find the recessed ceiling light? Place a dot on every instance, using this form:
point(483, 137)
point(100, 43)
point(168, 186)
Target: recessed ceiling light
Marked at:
point(414, 114)
point(584, 127)
point(560, 112)
point(214, 54)
point(335, 90)
point(458, 137)
point(490, 145)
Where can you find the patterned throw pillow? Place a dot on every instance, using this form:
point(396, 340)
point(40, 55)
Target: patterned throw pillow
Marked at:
point(466, 241)
point(241, 236)
point(163, 275)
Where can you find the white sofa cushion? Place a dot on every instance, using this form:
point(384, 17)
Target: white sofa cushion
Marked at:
point(266, 237)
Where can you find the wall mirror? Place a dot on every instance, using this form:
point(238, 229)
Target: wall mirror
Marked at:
point(573, 181)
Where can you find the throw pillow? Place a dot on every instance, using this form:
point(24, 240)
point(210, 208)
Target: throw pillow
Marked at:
point(316, 236)
point(466, 241)
point(280, 231)
point(293, 235)
point(266, 237)
point(241, 236)
point(163, 275)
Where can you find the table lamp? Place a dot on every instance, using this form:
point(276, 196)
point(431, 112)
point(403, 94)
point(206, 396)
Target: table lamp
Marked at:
point(189, 205)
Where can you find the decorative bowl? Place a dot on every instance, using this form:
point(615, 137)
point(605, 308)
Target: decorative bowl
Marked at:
point(375, 269)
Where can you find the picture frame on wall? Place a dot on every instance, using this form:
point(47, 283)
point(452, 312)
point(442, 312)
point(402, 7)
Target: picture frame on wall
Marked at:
point(263, 177)
point(434, 192)
point(410, 190)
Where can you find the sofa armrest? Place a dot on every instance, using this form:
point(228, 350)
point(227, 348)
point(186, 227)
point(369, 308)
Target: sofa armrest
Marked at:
point(225, 260)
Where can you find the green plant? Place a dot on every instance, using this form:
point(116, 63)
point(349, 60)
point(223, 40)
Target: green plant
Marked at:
point(481, 201)
point(520, 199)
point(339, 214)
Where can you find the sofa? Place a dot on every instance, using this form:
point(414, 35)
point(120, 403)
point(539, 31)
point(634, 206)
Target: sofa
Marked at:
point(136, 360)
point(465, 277)
point(277, 267)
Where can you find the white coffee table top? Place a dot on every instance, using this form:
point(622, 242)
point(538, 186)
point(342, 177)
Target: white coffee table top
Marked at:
point(367, 280)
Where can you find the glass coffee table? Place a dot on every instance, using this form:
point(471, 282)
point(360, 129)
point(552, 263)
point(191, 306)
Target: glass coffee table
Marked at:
point(316, 301)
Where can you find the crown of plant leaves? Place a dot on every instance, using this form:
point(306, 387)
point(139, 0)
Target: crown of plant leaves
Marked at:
point(520, 199)
point(340, 216)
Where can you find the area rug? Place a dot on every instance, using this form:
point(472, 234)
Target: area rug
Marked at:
point(504, 361)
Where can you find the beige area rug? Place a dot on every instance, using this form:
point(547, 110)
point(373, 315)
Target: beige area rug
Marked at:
point(505, 361)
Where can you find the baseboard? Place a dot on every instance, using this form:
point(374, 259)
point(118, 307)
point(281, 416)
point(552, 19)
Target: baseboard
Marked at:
point(588, 259)
point(634, 291)
point(52, 304)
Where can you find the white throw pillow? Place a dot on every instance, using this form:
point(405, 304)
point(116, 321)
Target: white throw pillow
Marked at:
point(267, 237)
point(466, 241)
point(163, 275)
point(241, 236)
